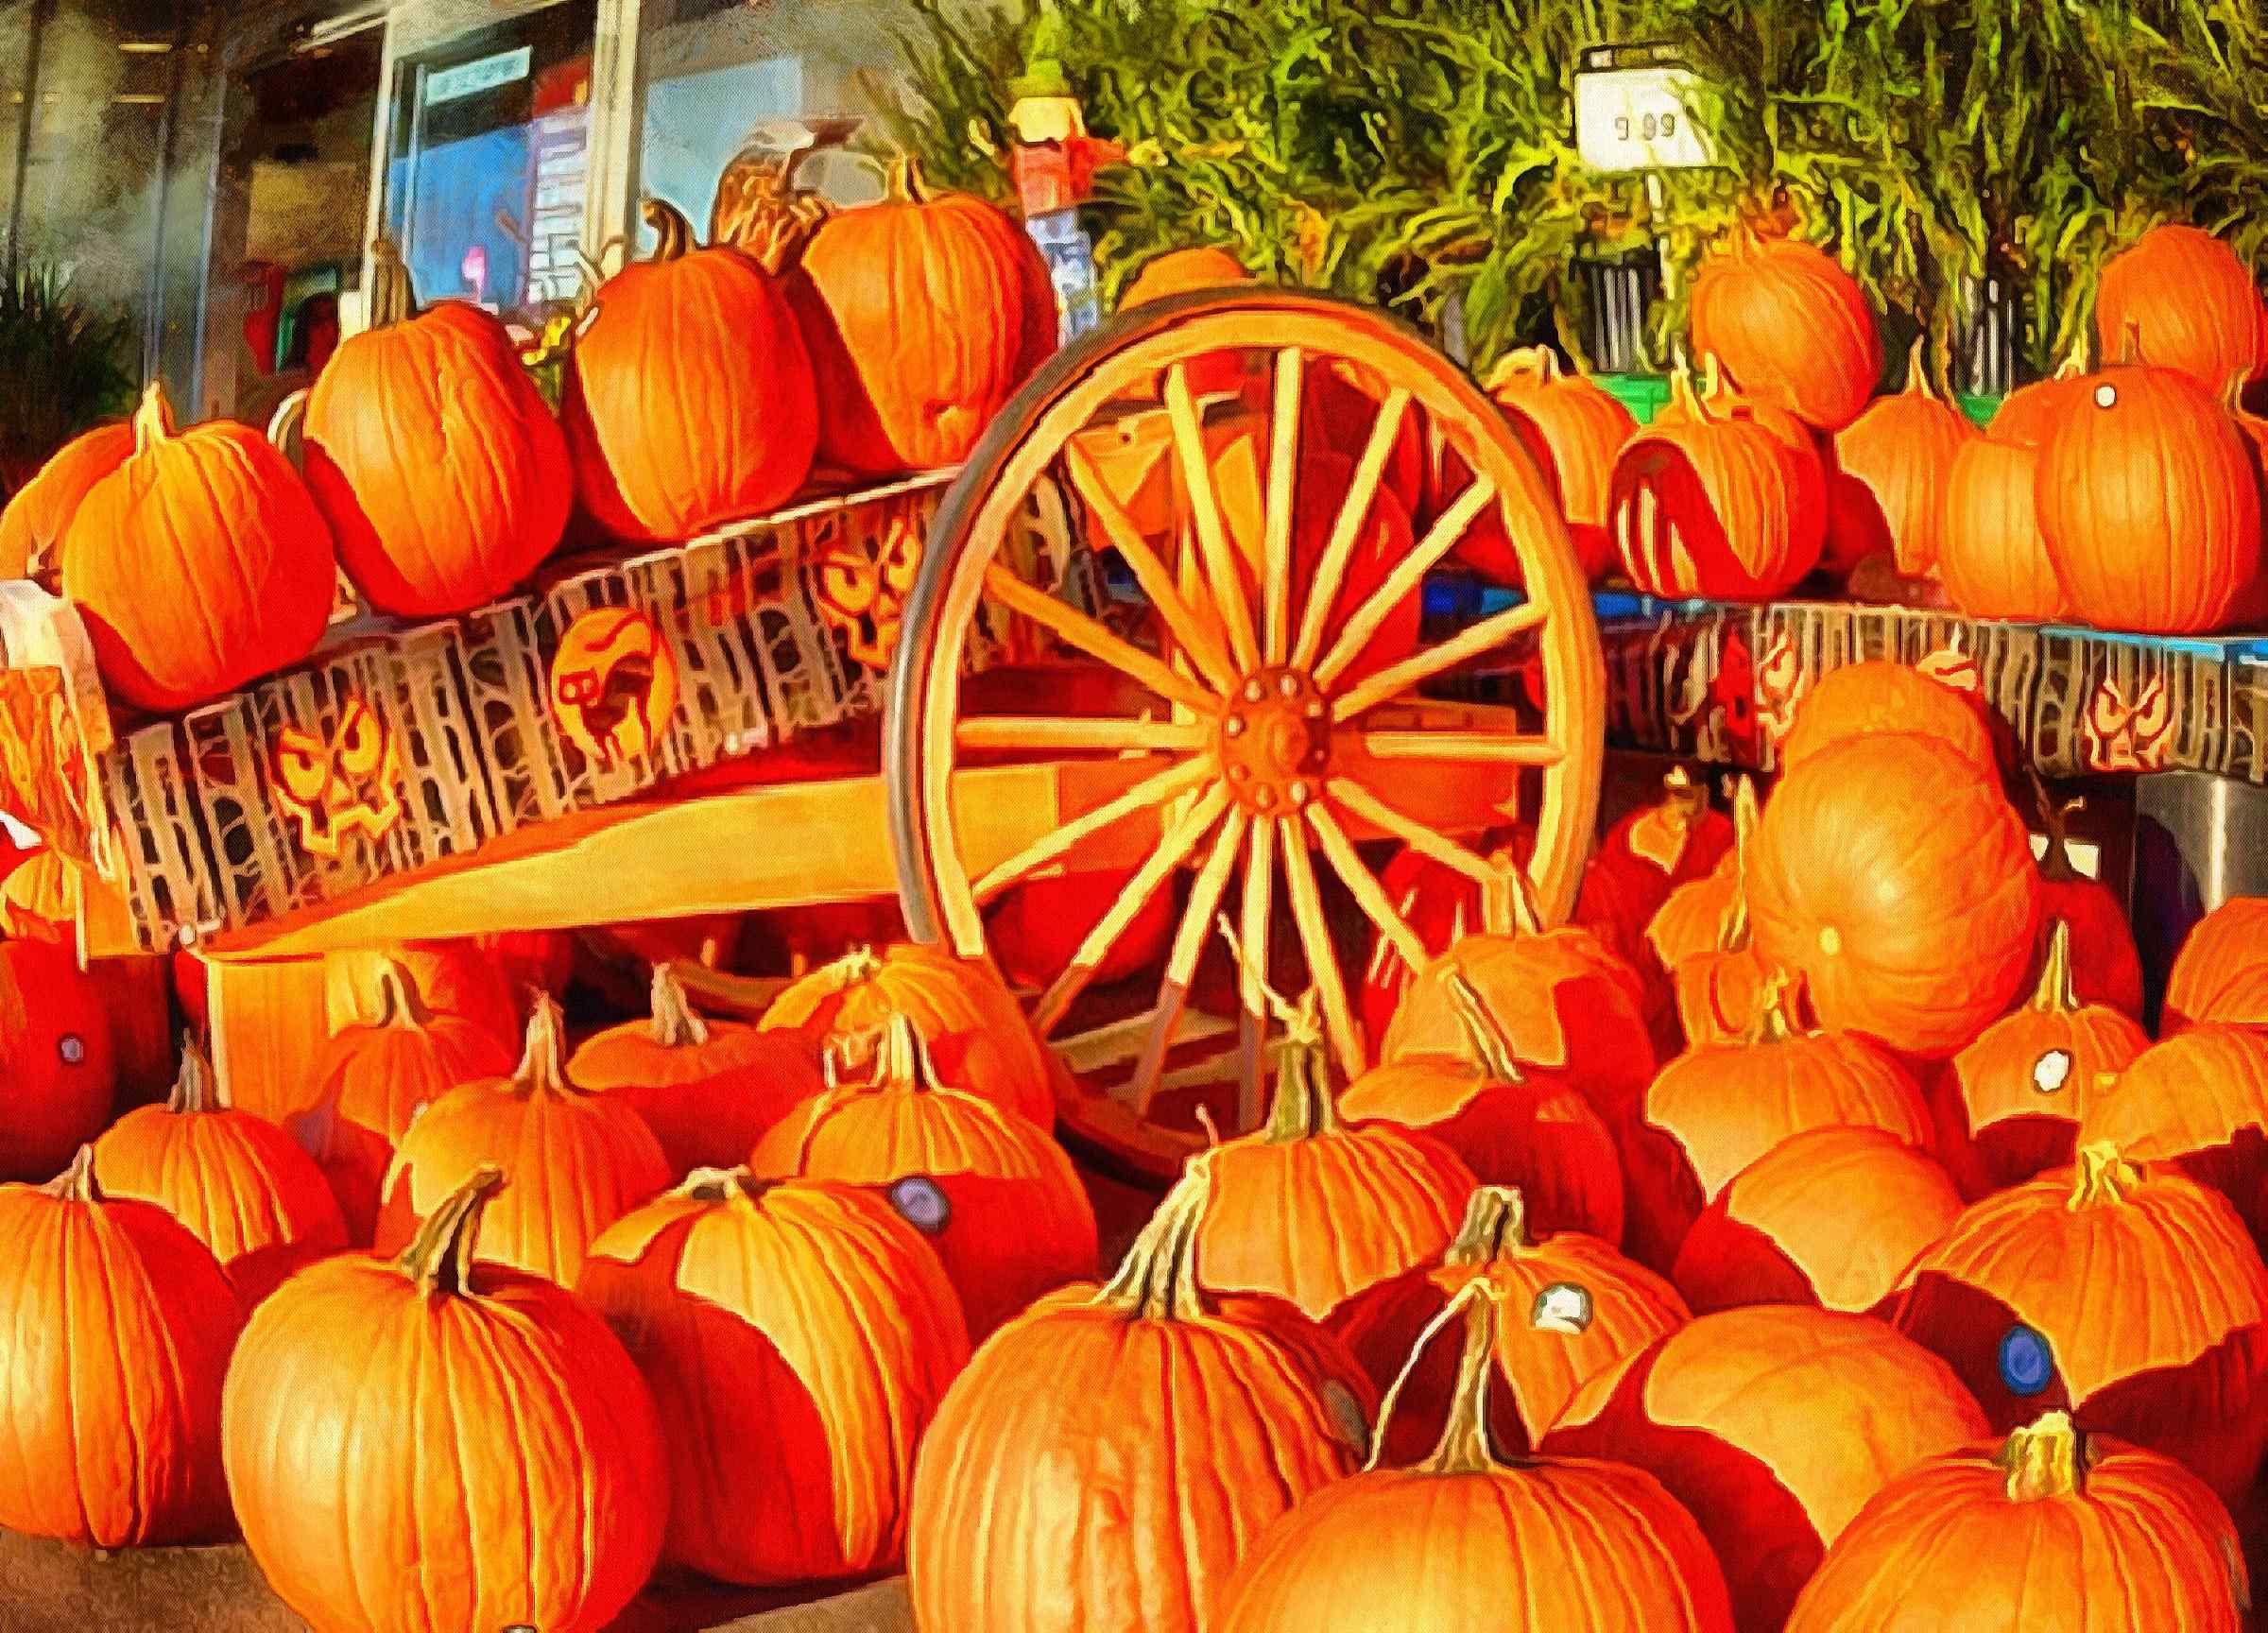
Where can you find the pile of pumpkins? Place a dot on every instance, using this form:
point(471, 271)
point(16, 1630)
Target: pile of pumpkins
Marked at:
point(703, 385)
point(1809, 1237)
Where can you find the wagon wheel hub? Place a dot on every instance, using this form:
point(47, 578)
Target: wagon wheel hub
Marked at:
point(1273, 740)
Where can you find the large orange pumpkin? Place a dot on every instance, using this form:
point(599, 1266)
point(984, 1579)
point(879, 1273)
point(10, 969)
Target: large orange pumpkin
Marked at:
point(115, 1334)
point(2028, 415)
point(461, 980)
point(690, 399)
point(2220, 974)
point(2198, 1102)
point(1790, 326)
point(1573, 428)
point(1645, 856)
point(39, 514)
point(1900, 452)
point(440, 466)
point(2106, 966)
point(2149, 504)
point(1891, 873)
point(198, 564)
point(2178, 298)
point(238, 1182)
point(503, 1466)
point(1834, 1216)
point(922, 314)
point(1440, 906)
point(55, 1056)
point(1991, 555)
point(578, 1160)
point(39, 899)
point(709, 1089)
point(1696, 916)
point(1879, 694)
point(1178, 271)
point(2016, 1299)
point(797, 1338)
point(2049, 1529)
point(1171, 1426)
point(1577, 1307)
point(1545, 1543)
point(1775, 1425)
point(995, 1196)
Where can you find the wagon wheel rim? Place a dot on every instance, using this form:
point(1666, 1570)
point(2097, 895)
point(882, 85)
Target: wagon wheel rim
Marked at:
point(1272, 749)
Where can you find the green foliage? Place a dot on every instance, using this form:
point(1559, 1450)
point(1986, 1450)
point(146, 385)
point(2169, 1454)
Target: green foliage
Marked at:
point(1406, 149)
point(61, 368)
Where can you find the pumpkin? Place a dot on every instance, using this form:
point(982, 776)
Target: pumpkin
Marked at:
point(1880, 695)
point(2149, 504)
point(38, 899)
point(1038, 924)
point(2178, 298)
point(39, 514)
point(2015, 1100)
point(541, 959)
point(375, 1077)
point(1775, 1425)
point(1577, 1308)
point(115, 1334)
point(435, 460)
point(971, 1022)
point(1697, 916)
point(1900, 452)
point(1791, 326)
point(458, 979)
point(1646, 855)
point(238, 1182)
point(1563, 1544)
point(578, 1160)
point(922, 314)
point(1532, 1129)
point(1715, 501)
point(2199, 1102)
point(56, 1058)
point(689, 399)
point(2016, 1299)
point(1439, 904)
point(1178, 272)
point(1720, 994)
point(797, 1338)
point(136, 997)
point(1172, 1425)
point(709, 1089)
point(994, 1196)
point(1991, 554)
point(198, 564)
point(2220, 974)
point(2028, 415)
point(1834, 1216)
point(2106, 966)
point(1286, 1198)
point(1891, 873)
point(504, 1466)
point(2049, 1529)
point(1715, 1111)
point(1573, 428)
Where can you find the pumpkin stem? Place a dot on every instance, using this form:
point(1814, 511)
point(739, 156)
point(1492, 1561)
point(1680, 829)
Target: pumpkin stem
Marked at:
point(1712, 377)
point(1157, 1281)
point(1519, 898)
point(1683, 799)
point(195, 1089)
point(393, 298)
point(398, 1001)
point(854, 969)
point(1464, 1447)
point(895, 1056)
point(1775, 1018)
point(717, 1184)
point(1917, 369)
point(153, 420)
point(2047, 1459)
point(440, 1257)
point(2101, 1176)
point(1732, 930)
point(1540, 364)
point(1495, 1227)
point(2056, 866)
point(1304, 1108)
point(75, 1183)
point(904, 182)
point(1745, 813)
point(1491, 1052)
point(1683, 396)
point(676, 1027)
point(672, 231)
point(543, 1066)
point(2056, 994)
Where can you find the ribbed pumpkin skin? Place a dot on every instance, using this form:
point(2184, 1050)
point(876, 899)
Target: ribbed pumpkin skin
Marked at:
point(200, 563)
point(1178, 271)
point(2150, 505)
point(39, 899)
point(1791, 327)
point(1774, 1426)
point(2028, 415)
point(115, 1334)
point(1901, 449)
point(1990, 554)
point(922, 315)
point(1721, 506)
point(1880, 695)
point(2198, 1101)
point(798, 1340)
point(405, 1459)
point(458, 979)
point(2140, 1546)
point(439, 464)
point(2220, 974)
point(38, 516)
point(1573, 428)
point(2183, 299)
point(1893, 875)
point(55, 1058)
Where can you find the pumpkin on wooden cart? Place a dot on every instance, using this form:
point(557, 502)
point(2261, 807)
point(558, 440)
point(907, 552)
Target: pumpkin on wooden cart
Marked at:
point(1899, 454)
point(2183, 299)
point(1573, 428)
point(115, 1326)
point(55, 1057)
point(990, 1191)
point(1790, 326)
point(1879, 694)
point(2221, 971)
point(797, 1338)
point(40, 512)
point(1541, 1544)
point(2197, 1101)
point(460, 980)
point(1126, 1445)
point(2106, 966)
point(385, 1497)
point(1441, 905)
point(1991, 555)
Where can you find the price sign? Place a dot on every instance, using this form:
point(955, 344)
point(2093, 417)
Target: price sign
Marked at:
point(1637, 115)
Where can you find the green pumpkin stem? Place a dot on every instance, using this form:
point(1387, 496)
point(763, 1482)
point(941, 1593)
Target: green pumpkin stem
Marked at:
point(195, 1089)
point(153, 418)
point(2101, 1177)
point(2047, 1459)
point(2056, 994)
point(676, 1025)
point(1491, 1050)
point(393, 299)
point(1157, 1278)
point(1464, 1447)
point(1775, 1010)
point(543, 1066)
point(1495, 1227)
point(75, 1183)
point(1304, 1106)
point(440, 1257)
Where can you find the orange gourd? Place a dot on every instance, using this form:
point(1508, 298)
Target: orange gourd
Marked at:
point(1179, 272)
point(502, 1466)
point(39, 514)
point(2220, 974)
point(1573, 428)
point(1791, 327)
point(2106, 966)
point(1991, 555)
point(1880, 695)
point(198, 564)
point(56, 1058)
point(38, 899)
point(1899, 453)
point(2181, 298)
point(1696, 916)
point(2198, 1102)
point(1645, 856)
point(797, 1338)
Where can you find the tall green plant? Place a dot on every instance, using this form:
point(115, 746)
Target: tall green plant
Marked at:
point(63, 369)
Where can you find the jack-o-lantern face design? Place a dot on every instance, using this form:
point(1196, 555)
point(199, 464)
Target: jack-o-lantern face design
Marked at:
point(864, 596)
point(2123, 735)
point(613, 685)
point(341, 786)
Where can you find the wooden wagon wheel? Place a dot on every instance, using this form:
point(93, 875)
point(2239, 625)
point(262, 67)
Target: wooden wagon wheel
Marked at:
point(1269, 479)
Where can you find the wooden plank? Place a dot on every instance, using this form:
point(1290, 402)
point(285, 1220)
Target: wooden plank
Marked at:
point(269, 1030)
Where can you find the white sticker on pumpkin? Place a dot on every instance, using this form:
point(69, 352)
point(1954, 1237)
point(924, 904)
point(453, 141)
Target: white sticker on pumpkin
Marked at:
point(1563, 1308)
point(2051, 1071)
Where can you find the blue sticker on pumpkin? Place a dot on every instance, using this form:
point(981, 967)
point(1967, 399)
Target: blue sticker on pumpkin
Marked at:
point(921, 1203)
point(2027, 1365)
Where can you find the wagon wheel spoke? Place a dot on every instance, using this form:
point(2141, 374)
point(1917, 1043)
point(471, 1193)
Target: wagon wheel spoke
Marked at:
point(1066, 733)
point(1416, 835)
point(1363, 885)
point(1322, 961)
point(1181, 962)
point(1090, 637)
point(1221, 570)
point(1423, 665)
point(1191, 633)
point(1478, 746)
point(1167, 784)
point(1450, 526)
point(1256, 937)
point(1284, 462)
point(1330, 568)
point(1067, 987)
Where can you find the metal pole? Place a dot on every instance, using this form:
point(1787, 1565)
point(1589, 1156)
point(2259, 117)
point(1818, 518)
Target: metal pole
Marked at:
point(153, 338)
point(40, 9)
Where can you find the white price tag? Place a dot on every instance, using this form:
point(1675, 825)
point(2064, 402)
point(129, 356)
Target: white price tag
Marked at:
point(1636, 119)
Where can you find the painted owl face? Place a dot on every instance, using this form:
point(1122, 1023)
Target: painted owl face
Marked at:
point(341, 784)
